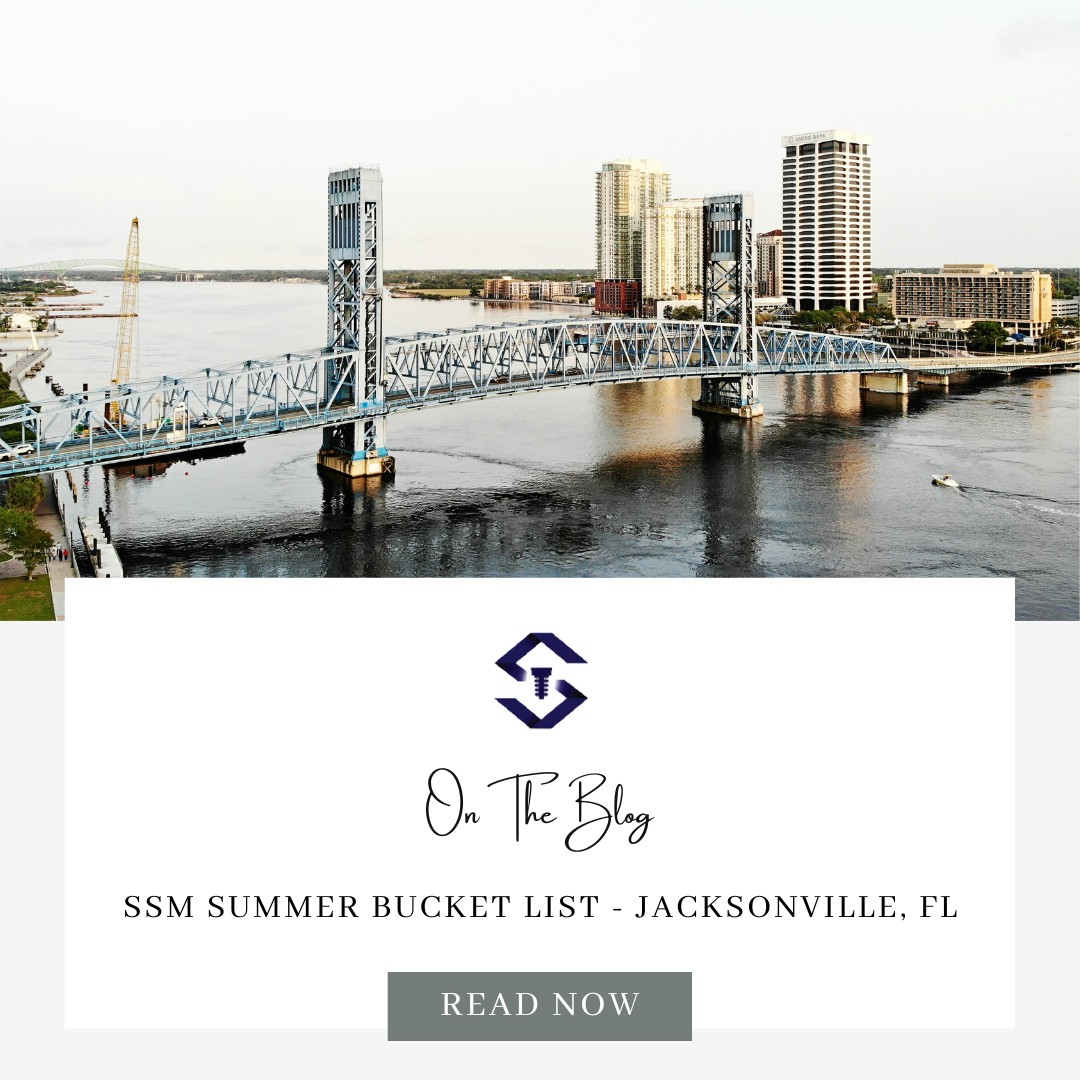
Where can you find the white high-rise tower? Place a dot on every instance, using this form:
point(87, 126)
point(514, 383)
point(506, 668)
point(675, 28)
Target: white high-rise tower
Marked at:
point(827, 220)
point(671, 249)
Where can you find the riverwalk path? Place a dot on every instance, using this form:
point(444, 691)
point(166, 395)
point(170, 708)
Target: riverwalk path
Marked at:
point(21, 363)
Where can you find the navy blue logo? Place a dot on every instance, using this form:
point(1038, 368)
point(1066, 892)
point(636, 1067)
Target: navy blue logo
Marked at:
point(541, 681)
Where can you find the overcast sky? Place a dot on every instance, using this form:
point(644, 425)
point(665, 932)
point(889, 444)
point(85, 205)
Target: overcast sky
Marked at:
point(217, 122)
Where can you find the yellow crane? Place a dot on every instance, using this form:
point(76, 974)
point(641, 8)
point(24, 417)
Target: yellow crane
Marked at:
point(126, 331)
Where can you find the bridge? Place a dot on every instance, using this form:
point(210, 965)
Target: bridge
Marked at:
point(350, 386)
point(316, 388)
point(62, 266)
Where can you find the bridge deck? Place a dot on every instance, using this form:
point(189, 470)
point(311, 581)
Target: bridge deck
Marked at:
point(314, 388)
point(1004, 365)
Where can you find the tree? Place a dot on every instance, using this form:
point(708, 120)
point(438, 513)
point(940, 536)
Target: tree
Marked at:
point(837, 318)
point(11, 522)
point(812, 320)
point(844, 319)
point(983, 336)
point(1066, 283)
point(32, 545)
point(1051, 338)
point(686, 313)
point(24, 493)
point(23, 539)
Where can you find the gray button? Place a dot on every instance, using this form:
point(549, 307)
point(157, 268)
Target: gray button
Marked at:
point(545, 1006)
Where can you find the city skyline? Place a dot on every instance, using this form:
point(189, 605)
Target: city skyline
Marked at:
point(220, 141)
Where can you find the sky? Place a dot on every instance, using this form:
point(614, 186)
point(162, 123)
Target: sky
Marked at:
point(216, 123)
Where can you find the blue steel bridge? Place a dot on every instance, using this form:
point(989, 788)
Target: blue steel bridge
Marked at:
point(321, 387)
point(349, 387)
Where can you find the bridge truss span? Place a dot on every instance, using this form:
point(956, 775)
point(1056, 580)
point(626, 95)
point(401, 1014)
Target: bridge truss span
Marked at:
point(174, 414)
point(791, 352)
point(429, 369)
point(331, 387)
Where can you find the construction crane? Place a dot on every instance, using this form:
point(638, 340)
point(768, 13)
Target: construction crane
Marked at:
point(126, 331)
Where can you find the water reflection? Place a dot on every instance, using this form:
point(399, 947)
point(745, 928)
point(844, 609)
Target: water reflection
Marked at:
point(646, 420)
point(354, 511)
point(730, 475)
point(834, 395)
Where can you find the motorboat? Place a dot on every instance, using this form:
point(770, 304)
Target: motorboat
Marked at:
point(944, 481)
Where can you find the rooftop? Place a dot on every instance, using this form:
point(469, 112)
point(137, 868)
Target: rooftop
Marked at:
point(827, 136)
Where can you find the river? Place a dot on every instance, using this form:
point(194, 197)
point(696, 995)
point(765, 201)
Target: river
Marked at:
point(595, 481)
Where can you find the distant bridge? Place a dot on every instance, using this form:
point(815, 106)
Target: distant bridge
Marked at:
point(317, 388)
point(62, 266)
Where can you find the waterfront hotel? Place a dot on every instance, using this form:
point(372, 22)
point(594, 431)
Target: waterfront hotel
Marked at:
point(964, 293)
point(827, 220)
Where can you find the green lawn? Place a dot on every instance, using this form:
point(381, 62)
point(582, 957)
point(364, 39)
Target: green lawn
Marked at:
point(26, 601)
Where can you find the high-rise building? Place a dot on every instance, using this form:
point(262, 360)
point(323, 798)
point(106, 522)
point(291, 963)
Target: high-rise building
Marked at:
point(827, 220)
point(671, 261)
point(625, 189)
point(770, 263)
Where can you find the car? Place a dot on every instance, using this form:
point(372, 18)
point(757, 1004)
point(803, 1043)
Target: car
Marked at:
point(22, 449)
point(209, 421)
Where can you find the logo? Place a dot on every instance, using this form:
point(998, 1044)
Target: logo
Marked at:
point(541, 681)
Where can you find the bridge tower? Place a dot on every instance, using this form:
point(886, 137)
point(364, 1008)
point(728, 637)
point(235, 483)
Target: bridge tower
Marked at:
point(728, 296)
point(354, 321)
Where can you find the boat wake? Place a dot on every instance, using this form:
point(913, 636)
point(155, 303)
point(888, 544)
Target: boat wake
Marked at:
point(1056, 511)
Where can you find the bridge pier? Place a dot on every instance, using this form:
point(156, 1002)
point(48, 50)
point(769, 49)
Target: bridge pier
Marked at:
point(357, 449)
point(736, 397)
point(928, 378)
point(884, 382)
